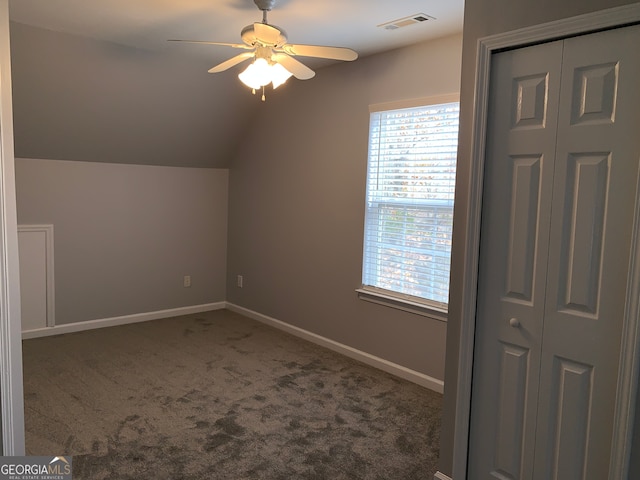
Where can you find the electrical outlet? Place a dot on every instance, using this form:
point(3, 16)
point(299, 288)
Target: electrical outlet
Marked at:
point(187, 281)
point(240, 281)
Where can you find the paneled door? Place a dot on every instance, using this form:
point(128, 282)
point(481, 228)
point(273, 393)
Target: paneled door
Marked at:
point(560, 187)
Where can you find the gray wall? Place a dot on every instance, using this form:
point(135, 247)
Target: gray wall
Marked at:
point(296, 203)
point(483, 18)
point(80, 99)
point(125, 235)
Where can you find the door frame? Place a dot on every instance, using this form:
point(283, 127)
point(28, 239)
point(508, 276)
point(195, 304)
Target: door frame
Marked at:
point(630, 348)
point(11, 388)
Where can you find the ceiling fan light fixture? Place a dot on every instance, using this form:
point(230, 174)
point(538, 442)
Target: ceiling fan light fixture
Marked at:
point(279, 75)
point(256, 75)
point(260, 73)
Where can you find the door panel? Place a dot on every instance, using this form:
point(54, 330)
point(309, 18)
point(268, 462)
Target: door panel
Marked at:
point(530, 101)
point(596, 176)
point(571, 410)
point(525, 187)
point(515, 231)
point(582, 232)
point(594, 94)
point(512, 395)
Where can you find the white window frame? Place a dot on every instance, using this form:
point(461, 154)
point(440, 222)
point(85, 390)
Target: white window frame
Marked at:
point(392, 298)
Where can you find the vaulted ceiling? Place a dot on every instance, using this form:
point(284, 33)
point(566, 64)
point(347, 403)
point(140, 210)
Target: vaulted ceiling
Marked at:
point(148, 24)
point(82, 68)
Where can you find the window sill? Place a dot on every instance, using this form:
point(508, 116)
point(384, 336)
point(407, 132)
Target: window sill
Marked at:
point(400, 303)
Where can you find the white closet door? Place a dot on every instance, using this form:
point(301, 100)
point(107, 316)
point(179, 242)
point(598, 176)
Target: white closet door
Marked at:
point(33, 279)
point(516, 213)
point(35, 243)
point(555, 246)
point(596, 176)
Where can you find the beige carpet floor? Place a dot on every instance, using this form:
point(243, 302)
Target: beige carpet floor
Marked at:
point(220, 396)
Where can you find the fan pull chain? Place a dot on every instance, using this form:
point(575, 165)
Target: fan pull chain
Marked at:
point(263, 97)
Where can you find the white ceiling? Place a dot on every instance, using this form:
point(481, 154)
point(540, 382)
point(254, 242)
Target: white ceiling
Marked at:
point(148, 24)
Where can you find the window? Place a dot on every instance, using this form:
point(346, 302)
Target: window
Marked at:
point(409, 205)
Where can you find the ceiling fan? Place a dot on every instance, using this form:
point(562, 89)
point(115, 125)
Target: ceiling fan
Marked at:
point(273, 56)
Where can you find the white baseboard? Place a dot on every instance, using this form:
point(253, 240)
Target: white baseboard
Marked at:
point(112, 322)
point(441, 476)
point(377, 362)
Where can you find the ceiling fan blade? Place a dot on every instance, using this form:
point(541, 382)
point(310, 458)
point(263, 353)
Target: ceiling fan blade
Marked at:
point(267, 34)
point(298, 69)
point(334, 53)
point(234, 45)
point(231, 62)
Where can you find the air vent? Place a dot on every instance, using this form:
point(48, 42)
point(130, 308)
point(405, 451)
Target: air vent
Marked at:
point(406, 21)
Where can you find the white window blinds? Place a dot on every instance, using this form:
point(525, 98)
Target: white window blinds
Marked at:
point(410, 192)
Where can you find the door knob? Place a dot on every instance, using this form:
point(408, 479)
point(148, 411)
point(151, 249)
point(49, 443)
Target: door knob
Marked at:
point(514, 322)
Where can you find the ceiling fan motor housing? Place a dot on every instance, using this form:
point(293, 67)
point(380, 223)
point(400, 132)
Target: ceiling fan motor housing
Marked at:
point(250, 37)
